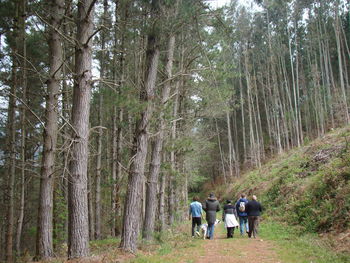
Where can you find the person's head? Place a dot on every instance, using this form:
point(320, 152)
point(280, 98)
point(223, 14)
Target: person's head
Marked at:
point(242, 195)
point(211, 195)
point(254, 197)
point(228, 201)
point(195, 198)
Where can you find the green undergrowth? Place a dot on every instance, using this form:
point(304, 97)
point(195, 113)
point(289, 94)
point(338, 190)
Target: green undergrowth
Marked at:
point(306, 187)
point(292, 246)
point(101, 246)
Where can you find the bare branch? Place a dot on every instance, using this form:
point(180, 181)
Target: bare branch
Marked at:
point(98, 30)
point(90, 9)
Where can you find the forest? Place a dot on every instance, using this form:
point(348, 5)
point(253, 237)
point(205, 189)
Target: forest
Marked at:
point(114, 112)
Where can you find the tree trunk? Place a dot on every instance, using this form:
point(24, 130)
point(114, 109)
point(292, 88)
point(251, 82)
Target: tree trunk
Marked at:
point(172, 182)
point(44, 234)
point(253, 154)
point(78, 230)
point(242, 116)
point(91, 214)
point(11, 162)
point(231, 157)
point(100, 130)
point(296, 115)
point(23, 59)
point(337, 31)
point(67, 87)
point(161, 201)
point(152, 183)
point(132, 209)
point(117, 122)
point(11, 140)
point(115, 137)
point(220, 151)
point(98, 174)
point(114, 175)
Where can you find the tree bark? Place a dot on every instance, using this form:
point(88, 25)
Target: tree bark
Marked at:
point(295, 114)
point(23, 55)
point(152, 182)
point(11, 139)
point(91, 214)
point(118, 117)
point(11, 162)
point(172, 180)
point(132, 209)
point(161, 200)
point(100, 130)
point(44, 235)
point(78, 229)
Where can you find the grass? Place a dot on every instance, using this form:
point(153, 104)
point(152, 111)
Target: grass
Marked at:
point(174, 245)
point(308, 187)
point(296, 247)
point(104, 246)
point(171, 252)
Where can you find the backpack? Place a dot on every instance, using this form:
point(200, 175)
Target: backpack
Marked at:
point(241, 206)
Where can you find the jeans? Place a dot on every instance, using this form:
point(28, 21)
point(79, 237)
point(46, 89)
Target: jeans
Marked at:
point(243, 222)
point(196, 221)
point(211, 231)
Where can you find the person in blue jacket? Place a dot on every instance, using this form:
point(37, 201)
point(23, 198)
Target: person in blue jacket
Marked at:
point(242, 214)
point(196, 212)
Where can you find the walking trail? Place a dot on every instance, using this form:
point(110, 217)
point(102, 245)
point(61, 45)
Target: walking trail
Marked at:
point(222, 250)
point(235, 250)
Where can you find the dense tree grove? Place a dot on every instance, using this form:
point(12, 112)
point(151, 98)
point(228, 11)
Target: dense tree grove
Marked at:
point(113, 110)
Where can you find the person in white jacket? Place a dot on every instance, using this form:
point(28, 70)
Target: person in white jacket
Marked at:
point(229, 216)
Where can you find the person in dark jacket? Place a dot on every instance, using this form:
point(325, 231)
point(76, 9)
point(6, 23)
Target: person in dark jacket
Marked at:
point(254, 210)
point(242, 214)
point(211, 207)
point(229, 216)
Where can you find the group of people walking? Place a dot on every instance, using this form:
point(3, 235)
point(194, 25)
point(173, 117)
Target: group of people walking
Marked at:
point(244, 213)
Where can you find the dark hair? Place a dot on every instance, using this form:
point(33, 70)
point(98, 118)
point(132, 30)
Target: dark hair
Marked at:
point(228, 201)
point(243, 195)
point(195, 198)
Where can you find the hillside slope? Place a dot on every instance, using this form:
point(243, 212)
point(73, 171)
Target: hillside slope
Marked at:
point(307, 188)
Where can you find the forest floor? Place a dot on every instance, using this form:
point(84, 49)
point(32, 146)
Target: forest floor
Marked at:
point(276, 243)
point(181, 249)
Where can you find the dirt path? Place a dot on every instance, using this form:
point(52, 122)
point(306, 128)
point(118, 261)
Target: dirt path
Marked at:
point(236, 250)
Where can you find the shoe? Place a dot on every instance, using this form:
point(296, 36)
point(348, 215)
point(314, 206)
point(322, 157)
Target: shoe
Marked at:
point(197, 233)
point(207, 237)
